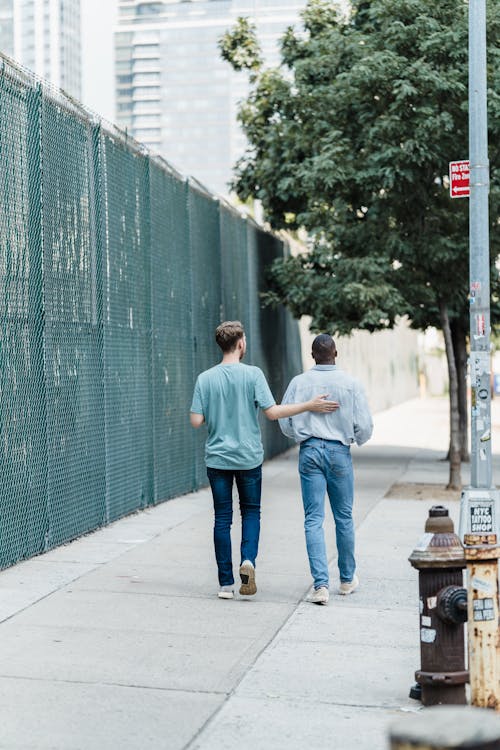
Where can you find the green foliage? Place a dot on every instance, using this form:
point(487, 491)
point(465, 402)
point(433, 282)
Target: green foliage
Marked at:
point(356, 294)
point(240, 46)
point(351, 139)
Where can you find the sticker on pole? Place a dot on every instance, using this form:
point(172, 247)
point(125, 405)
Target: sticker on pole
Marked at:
point(481, 518)
point(483, 609)
point(459, 179)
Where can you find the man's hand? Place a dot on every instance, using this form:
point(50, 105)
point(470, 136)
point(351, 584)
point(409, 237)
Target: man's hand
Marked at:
point(320, 404)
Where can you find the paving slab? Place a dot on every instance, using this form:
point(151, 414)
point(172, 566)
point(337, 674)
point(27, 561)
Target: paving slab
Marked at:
point(53, 715)
point(341, 627)
point(295, 724)
point(146, 659)
point(110, 611)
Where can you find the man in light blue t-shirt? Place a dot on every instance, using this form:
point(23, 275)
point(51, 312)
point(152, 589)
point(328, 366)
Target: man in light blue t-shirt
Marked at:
point(227, 398)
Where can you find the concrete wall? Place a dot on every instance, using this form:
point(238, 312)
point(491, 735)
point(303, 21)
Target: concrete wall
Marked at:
point(385, 362)
point(433, 364)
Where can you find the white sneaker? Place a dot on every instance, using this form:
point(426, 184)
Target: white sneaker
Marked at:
point(226, 592)
point(350, 586)
point(247, 575)
point(320, 596)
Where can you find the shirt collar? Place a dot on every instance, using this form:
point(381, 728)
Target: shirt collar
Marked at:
point(324, 367)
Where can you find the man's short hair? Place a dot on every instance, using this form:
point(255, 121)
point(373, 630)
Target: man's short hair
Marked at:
point(323, 348)
point(228, 334)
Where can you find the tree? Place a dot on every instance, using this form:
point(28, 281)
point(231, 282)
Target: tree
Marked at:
point(351, 139)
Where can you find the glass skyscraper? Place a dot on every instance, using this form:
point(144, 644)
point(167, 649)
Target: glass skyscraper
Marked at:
point(173, 91)
point(44, 35)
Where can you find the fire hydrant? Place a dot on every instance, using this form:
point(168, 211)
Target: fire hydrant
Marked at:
point(439, 558)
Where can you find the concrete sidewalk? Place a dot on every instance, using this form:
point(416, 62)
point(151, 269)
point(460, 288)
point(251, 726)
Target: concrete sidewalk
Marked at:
point(118, 641)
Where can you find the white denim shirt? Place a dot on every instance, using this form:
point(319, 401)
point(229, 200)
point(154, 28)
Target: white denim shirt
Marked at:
point(352, 422)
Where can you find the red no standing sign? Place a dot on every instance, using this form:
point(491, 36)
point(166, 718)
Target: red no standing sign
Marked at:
point(459, 179)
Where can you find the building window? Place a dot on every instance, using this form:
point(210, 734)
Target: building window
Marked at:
point(149, 9)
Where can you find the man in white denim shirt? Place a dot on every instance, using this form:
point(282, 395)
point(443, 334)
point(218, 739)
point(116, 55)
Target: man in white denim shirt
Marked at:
point(325, 463)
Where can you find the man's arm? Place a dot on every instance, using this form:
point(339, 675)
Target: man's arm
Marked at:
point(196, 416)
point(363, 424)
point(318, 404)
point(286, 424)
point(196, 419)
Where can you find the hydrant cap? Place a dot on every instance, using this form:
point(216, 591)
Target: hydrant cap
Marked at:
point(439, 520)
point(439, 547)
point(438, 510)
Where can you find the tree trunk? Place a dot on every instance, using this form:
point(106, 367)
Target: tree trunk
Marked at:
point(459, 338)
point(455, 482)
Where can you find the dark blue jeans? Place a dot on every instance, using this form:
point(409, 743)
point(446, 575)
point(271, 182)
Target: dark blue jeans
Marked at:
point(249, 484)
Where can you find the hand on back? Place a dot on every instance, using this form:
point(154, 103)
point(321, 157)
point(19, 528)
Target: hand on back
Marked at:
point(322, 405)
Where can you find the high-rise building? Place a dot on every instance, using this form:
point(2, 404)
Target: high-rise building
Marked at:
point(173, 91)
point(44, 35)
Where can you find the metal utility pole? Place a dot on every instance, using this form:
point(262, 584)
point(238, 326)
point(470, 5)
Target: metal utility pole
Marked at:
point(479, 249)
point(479, 506)
point(479, 511)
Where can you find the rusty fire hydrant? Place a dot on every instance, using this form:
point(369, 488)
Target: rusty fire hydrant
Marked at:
point(439, 558)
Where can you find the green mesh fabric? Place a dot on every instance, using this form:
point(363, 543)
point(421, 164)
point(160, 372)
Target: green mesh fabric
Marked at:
point(234, 257)
point(273, 333)
point(72, 336)
point(173, 353)
point(114, 273)
point(206, 290)
point(23, 447)
point(127, 331)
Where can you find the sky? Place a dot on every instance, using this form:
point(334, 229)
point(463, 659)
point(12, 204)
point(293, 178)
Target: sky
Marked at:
point(98, 21)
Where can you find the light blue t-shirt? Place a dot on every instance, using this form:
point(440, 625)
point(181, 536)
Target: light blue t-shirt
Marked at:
point(229, 397)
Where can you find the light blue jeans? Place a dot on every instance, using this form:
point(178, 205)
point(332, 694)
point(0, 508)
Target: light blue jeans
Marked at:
point(325, 466)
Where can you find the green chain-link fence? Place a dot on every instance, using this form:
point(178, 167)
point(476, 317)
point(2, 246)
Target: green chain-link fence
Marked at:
point(114, 273)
